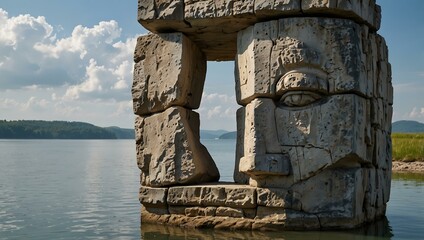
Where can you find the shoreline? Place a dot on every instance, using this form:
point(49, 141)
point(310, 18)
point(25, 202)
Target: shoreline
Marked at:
point(407, 167)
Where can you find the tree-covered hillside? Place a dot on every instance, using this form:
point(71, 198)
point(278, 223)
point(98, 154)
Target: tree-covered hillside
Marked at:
point(29, 129)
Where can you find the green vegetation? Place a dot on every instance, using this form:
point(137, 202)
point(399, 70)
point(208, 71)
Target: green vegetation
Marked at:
point(25, 129)
point(408, 147)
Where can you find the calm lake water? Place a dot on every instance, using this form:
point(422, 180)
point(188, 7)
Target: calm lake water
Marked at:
point(87, 189)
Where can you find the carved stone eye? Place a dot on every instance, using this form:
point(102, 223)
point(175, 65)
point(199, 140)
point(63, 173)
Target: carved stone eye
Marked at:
point(299, 98)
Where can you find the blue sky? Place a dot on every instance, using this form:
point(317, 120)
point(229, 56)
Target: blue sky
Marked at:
point(72, 60)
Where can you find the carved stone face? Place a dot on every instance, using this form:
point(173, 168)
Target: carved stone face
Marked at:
point(314, 108)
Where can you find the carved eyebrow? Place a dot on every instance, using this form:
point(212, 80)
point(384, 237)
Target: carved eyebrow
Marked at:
point(303, 79)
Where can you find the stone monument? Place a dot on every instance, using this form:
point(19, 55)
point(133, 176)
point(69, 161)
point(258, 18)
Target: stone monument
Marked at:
point(313, 130)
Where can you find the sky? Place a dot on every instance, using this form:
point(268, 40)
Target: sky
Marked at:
point(72, 61)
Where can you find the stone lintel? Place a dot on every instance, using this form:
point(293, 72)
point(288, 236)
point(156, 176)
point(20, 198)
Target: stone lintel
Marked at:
point(208, 21)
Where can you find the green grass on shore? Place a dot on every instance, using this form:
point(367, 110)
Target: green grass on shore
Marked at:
point(408, 147)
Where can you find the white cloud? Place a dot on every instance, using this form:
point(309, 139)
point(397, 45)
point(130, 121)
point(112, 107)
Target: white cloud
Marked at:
point(7, 103)
point(93, 62)
point(84, 76)
point(218, 111)
point(417, 113)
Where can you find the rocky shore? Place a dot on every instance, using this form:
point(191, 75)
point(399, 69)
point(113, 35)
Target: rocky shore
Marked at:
point(414, 167)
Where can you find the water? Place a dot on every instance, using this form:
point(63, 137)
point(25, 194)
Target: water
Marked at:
point(87, 189)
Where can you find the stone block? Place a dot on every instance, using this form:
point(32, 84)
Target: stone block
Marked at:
point(240, 177)
point(273, 197)
point(382, 157)
point(260, 131)
point(201, 9)
point(266, 164)
point(318, 55)
point(274, 214)
point(253, 62)
point(154, 210)
point(170, 71)
point(313, 143)
point(184, 196)
point(178, 210)
point(249, 212)
point(334, 194)
point(266, 8)
point(271, 181)
point(170, 151)
point(210, 21)
point(229, 212)
point(240, 197)
point(278, 197)
point(153, 197)
point(201, 211)
point(296, 220)
point(318, 5)
point(161, 15)
point(362, 11)
point(236, 196)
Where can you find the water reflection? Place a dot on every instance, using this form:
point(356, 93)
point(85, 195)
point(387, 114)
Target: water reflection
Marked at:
point(377, 230)
point(417, 178)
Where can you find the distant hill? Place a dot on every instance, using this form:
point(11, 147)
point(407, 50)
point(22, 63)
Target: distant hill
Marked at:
point(405, 126)
point(211, 134)
point(228, 135)
point(122, 133)
point(31, 129)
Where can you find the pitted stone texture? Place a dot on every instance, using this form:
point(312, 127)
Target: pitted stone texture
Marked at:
point(319, 55)
point(153, 197)
point(213, 10)
point(334, 194)
point(286, 218)
point(253, 77)
point(213, 24)
point(362, 11)
point(305, 137)
point(279, 198)
point(229, 212)
point(236, 196)
point(240, 177)
point(170, 71)
point(161, 15)
point(169, 151)
point(266, 9)
point(260, 128)
point(333, 132)
point(200, 211)
point(267, 164)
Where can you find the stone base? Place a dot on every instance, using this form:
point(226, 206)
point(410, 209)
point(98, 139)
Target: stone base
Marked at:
point(379, 229)
point(291, 220)
point(336, 199)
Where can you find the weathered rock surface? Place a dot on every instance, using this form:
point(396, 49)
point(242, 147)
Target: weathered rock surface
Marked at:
point(237, 196)
point(319, 56)
point(169, 151)
point(313, 133)
point(170, 71)
point(213, 24)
